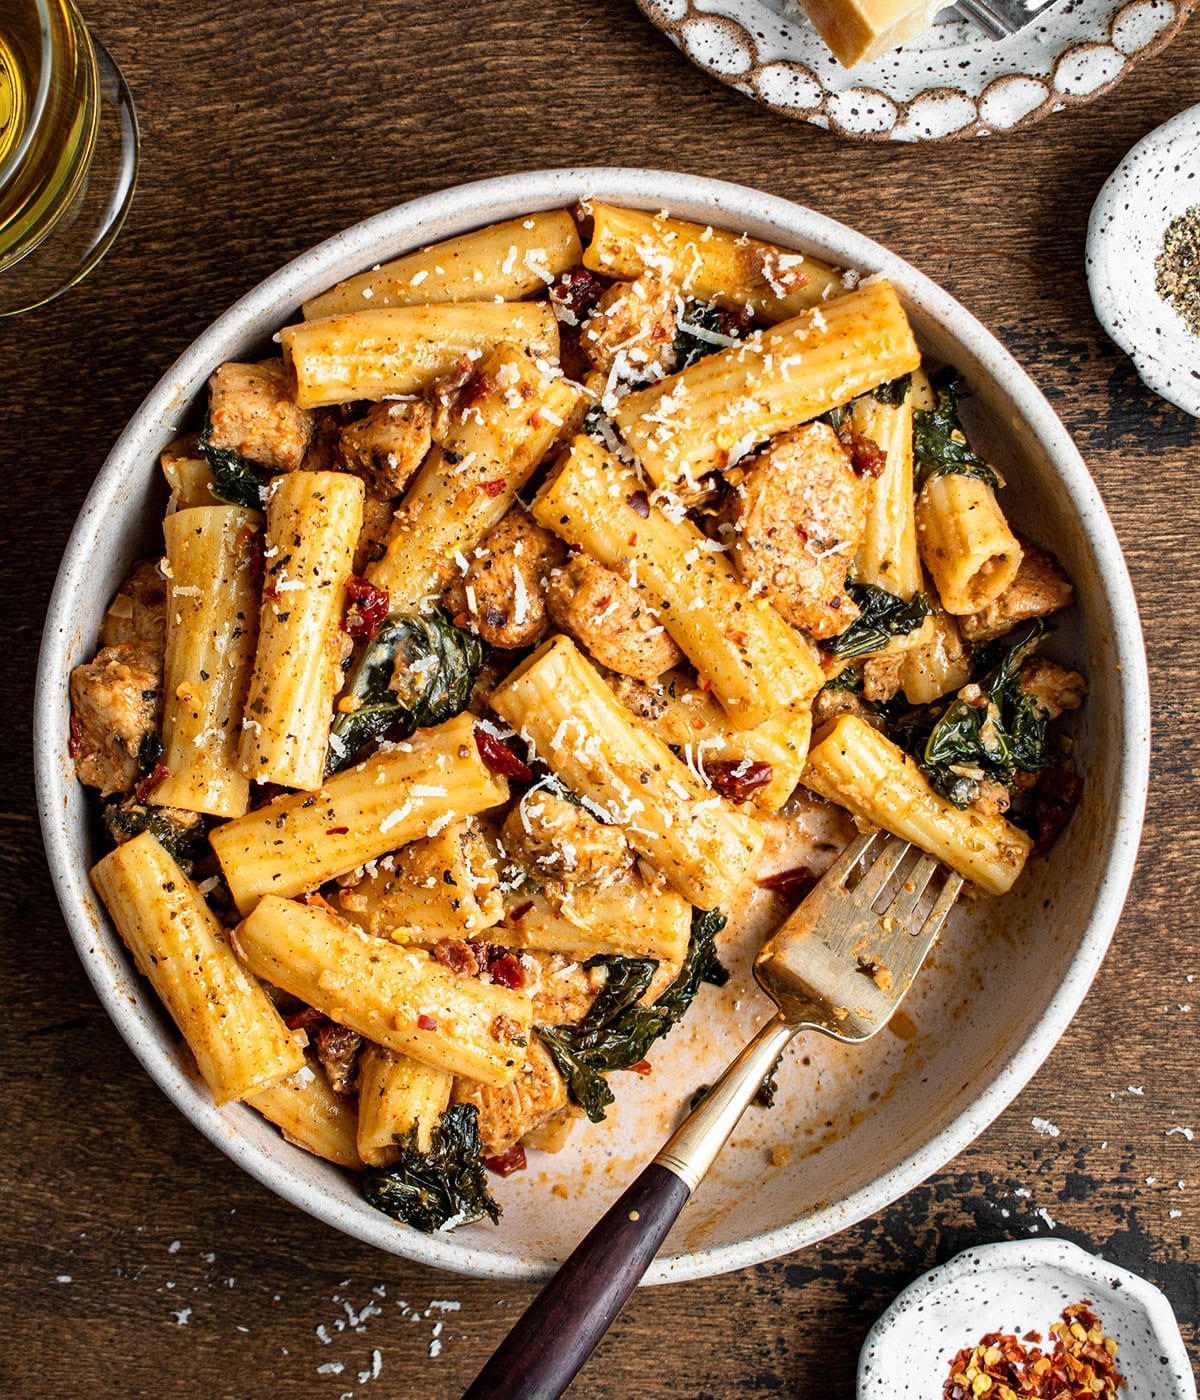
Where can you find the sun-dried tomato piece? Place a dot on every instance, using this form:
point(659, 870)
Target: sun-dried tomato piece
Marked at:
point(642, 1067)
point(507, 1162)
point(150, 781)
point(640, 503)
point(866, 456)
point(508, 971)
point(75, 742)
point(573, 294)
point(460, 957)
point(368, 610)
point(736, 779)
point(304, 1019)
point(1055, 798)
point(793, 884)
point(499, 757)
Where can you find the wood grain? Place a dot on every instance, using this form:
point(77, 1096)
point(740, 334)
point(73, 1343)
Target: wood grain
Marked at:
point(138, 1260)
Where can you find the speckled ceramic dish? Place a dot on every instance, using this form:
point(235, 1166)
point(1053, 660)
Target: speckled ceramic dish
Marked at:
point(853, 1128)
point(1156, 182)
point(1015, 1287)
point(948, 82)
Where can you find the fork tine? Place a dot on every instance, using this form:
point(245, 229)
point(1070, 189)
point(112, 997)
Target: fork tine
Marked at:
point(881, 870)
point(942, 906)
point(849, 858)
point(909, 896)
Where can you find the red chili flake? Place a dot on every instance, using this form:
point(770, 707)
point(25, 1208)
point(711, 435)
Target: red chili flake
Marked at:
point(639, 502)
point(493, 488)
point(426, 1023)
point(1079, 1367)
point(642, 1067)
point(150, 781)
point(479, 388)
point(499, 757)
point(576, 292)
point(304, 1019)
point(75, 742)
point(368, 610)
point(517, 914)
point(336, 830)
point(793, 884)
point(508, 971)
point(507, 1162)
point(736, 779)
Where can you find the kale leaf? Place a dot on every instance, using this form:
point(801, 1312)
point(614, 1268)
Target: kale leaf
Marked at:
point(443, 1187)
point(894, 392)
point(234, 479)
point(704, 329)
point(990, 741)
point(882, 615)
point(436, 663)
point(184, 837)
point(617, 1032)
point(940, 447)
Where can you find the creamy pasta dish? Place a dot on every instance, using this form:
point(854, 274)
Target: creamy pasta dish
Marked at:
point(502, 615)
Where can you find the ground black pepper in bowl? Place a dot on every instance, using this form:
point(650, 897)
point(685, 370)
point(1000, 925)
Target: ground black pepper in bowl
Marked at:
point(1177, 267)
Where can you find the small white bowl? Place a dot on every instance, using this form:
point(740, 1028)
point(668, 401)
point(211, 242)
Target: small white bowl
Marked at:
point(852, 1130)
point(1158, 180)
point(1013, 1287)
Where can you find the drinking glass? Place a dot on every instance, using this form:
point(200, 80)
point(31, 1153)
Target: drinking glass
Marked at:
point(68, 151)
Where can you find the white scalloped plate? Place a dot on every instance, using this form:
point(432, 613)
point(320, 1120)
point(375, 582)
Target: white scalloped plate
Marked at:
point(947, 83)
point(1158, 180)
point(1011, 1287)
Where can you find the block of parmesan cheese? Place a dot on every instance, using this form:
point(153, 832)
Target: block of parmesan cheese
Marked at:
point(859, 30)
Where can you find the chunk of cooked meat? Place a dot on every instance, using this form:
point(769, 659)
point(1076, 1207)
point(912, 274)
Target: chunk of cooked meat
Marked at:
point(253, 413)
point(116, 703)
point(645, 701)
point(829, 705)
point(372, 538)
point(610, 618)
point(562, 990)
point(632, 327)
point(387, 446)
point(881, 676)
point(559, 841)
point(139, 611)
point(1039, 588)
point(507, 1114)
point(798, 514)
point(1055, 689)
point(502, 595)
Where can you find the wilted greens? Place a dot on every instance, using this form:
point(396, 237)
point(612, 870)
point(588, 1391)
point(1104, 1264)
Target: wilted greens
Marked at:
point(442, 1187)
point(940, 446)
point(234, 479)
point(617, 1032)
point(881, 615)
point(418, 671)
point(184, 836)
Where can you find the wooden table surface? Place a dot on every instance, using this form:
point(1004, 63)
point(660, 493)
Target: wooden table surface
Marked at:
point(137, 1260)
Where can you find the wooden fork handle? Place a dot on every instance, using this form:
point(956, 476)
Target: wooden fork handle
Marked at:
point(547, 1348)
point(549, 1345)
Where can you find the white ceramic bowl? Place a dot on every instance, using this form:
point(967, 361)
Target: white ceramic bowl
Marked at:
point(852, 1130)
point(1014, 1287)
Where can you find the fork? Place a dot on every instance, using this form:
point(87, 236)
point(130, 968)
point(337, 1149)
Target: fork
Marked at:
point(839, 966)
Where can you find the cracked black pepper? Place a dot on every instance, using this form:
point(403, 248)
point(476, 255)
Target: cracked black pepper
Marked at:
point(1177, 268)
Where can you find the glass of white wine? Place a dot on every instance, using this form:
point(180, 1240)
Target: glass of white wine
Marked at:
point(68, 151)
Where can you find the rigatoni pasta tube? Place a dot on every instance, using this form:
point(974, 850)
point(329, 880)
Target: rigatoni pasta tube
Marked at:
point(212, 628)
point(558, 703)
point(627, 918)
point(708, 263)
point(313, 521)
point(238, 1039)
point(502, 262)
point(297, 842)
point(887, 556)
point(401, 998)
point(710, 414)
point(939, 665)
point(310, 1115)
point(405, 349)
point(188, 474)
point(754, 662)
point(965, 541)
point(855, 766)
point(395, 1095)
point(508, 419)
point(692, 721)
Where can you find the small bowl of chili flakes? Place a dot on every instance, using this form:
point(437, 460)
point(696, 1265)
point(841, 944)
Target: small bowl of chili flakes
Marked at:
point(1027, 1318)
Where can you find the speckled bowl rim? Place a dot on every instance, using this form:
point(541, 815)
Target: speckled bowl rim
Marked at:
point(265, 308)
point(1117, 207)
point(746, 81)
point(1092, 1271)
